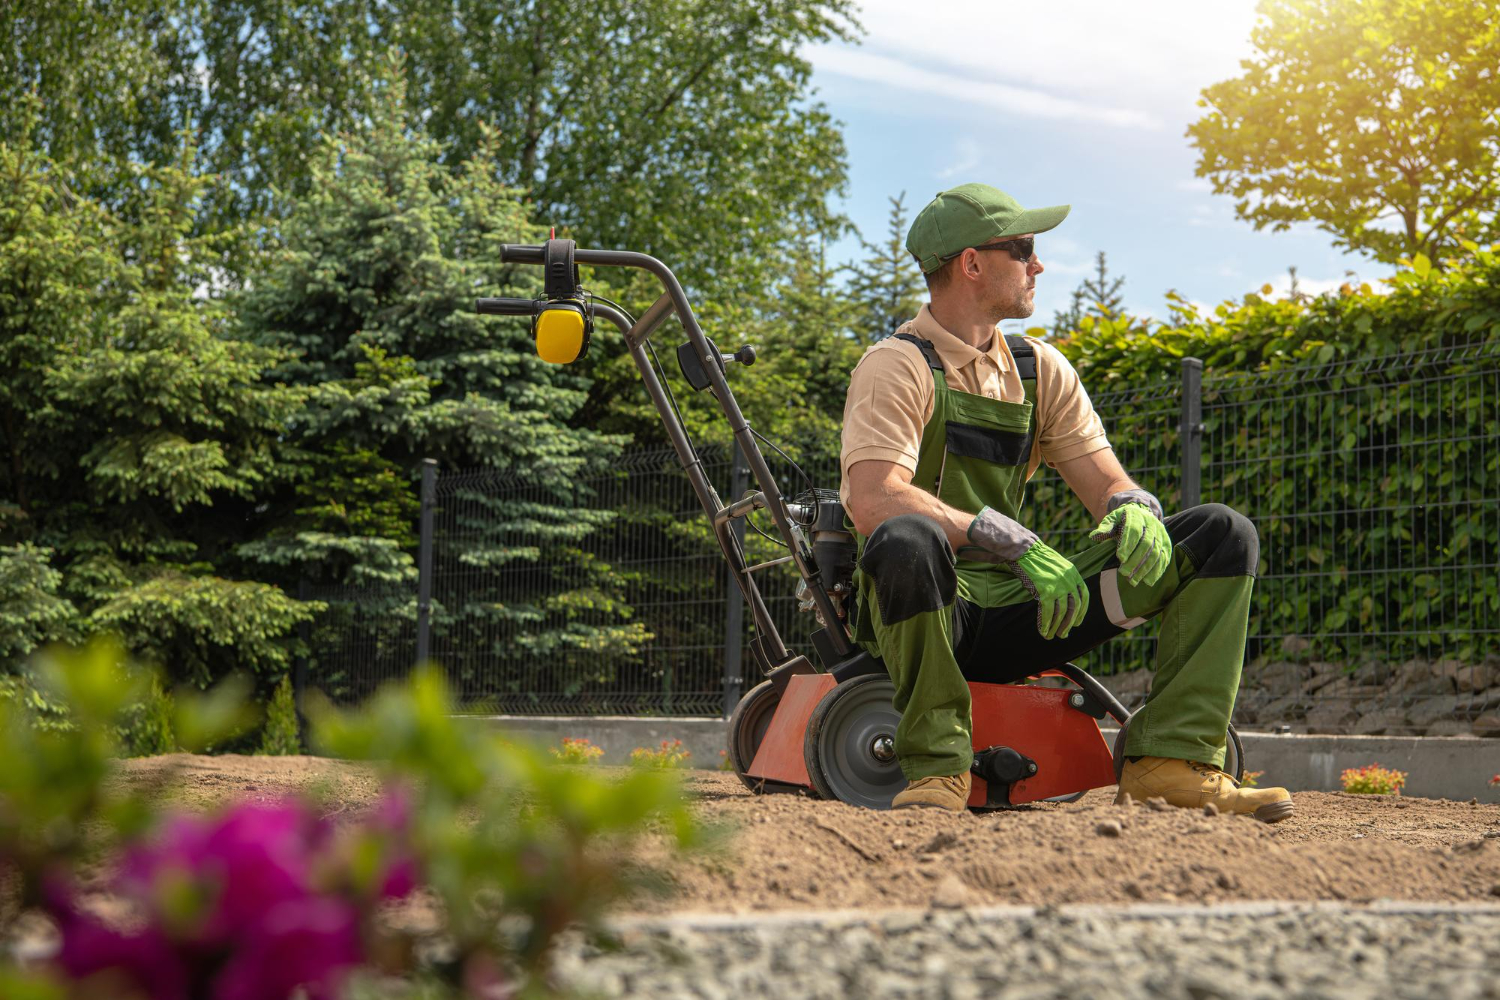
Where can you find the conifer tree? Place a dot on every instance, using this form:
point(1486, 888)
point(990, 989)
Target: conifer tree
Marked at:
point(1097, 298)
point(887, 285)
point(1102, 293)
point(1065, 321)
point(132, 430)
point(374, 292)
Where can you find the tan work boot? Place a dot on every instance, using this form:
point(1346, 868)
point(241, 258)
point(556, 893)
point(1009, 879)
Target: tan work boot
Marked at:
point(950, 792)
point(1193, 785)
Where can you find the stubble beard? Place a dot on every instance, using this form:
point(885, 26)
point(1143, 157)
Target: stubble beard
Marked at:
point(1017, 306)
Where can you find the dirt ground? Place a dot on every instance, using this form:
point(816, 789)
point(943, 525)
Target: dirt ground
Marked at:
point(789, 852)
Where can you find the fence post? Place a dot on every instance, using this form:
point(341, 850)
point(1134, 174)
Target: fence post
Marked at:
point(734, 601)
point(1192, 433)
point(424, 561)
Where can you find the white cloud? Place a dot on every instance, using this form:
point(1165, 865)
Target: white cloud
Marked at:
point(965, 158)
point(1058, 244)
point(870, 67)
point(1195, 185)
point(1124, 64)
point(1064, 265)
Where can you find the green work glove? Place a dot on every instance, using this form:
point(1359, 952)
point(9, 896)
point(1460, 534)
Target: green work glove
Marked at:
point(1141, 541)
point(1062, 596)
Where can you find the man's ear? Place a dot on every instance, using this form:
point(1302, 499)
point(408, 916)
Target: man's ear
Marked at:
point(970, 265)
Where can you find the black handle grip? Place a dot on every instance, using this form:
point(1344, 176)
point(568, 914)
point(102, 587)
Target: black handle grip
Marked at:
point(505, 307)
point(521, 253)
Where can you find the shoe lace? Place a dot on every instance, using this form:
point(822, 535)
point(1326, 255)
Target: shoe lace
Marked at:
point(1208, 771)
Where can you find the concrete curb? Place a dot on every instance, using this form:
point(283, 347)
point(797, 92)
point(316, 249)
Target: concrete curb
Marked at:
point(1447, 767)
point(709, 920)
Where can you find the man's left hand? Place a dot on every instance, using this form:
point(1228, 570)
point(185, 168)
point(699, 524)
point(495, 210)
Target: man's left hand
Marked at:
point(1141, 541)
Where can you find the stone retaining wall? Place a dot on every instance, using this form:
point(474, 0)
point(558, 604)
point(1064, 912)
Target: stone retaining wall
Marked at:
point(1415, 698)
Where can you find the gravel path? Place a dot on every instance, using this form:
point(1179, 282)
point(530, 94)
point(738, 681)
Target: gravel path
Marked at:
point(1229, 951)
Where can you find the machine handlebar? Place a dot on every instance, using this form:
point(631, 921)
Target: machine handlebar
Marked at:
point(505, 307)
point(521, 253)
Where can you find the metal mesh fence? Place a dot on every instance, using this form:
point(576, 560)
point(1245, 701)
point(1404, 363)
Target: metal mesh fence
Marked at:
point(367, 636)
point(657, 553)
point(1375, 486)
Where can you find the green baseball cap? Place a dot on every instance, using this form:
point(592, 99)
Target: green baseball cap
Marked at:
point(969, 215)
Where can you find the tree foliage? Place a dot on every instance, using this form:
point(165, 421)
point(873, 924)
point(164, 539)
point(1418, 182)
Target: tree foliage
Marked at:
point(371, 299)
point(91, 82)
point(1097, 298)
point(1376, 120)
point(1328, 421)
point(678, 127)
point(133, 433)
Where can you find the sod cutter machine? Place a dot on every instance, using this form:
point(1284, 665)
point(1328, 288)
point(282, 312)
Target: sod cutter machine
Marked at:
point(823, 726)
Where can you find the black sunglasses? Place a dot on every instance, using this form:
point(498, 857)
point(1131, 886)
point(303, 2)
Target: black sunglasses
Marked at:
point(1022, 249)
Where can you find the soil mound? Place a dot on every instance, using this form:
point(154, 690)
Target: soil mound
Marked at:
point(791, 852)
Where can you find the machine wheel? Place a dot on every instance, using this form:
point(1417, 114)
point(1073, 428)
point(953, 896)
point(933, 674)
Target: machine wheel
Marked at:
point(1234, 754)
point(850, 745)
point(747, 727)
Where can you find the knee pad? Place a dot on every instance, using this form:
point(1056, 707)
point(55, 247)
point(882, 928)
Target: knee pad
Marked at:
point(1221, 540)
point(911, 563)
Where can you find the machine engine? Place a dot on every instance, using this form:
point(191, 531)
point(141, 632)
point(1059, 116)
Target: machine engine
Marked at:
point(821, 516)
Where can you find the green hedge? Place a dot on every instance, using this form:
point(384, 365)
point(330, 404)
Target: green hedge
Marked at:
point(1360, 430)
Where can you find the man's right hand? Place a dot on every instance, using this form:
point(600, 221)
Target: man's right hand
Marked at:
point(1061, 595)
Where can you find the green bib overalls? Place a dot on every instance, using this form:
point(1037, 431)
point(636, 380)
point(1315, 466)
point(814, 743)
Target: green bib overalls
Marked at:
point(914, 596)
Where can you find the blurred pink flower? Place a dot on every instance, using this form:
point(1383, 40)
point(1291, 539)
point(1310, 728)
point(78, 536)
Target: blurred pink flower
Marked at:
point(145, 959)
point(233, 910)
point(400, 879)
point(311, 943)
point(392, 818)
point(250, 859)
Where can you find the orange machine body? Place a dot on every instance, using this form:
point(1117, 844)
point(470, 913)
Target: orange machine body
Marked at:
point(1070, 751)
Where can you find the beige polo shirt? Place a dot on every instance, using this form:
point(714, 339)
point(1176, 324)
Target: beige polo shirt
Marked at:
point(891, 396)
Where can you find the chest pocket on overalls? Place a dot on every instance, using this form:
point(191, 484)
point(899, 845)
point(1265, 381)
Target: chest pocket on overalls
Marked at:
point(987, 446)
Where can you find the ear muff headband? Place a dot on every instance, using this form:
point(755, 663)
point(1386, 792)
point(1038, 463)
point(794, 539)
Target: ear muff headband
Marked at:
point(560, 279)
point(561, 326)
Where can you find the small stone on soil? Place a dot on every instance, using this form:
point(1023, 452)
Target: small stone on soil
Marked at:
point(940, 841)
point(1157, 803)
point(1210, 810)
point(1107, 828)
point(950, 894)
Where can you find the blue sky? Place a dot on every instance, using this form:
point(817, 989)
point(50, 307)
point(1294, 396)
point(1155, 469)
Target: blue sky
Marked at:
point(1075, 102)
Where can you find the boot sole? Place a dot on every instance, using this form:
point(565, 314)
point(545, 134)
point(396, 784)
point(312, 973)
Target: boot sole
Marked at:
point(1274, 812)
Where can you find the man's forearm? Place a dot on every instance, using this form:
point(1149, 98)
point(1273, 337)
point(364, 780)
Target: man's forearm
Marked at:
point(892, 499)
point(1098, 505)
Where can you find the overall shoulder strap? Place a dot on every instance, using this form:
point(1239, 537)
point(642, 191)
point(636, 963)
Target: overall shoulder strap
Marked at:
point(931, 449)
point(925, 346)
point(1025, 356)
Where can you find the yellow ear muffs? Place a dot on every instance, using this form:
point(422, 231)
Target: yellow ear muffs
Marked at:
point(561, 331)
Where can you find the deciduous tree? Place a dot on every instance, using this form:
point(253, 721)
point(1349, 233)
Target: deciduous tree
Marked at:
point(1375, 120)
